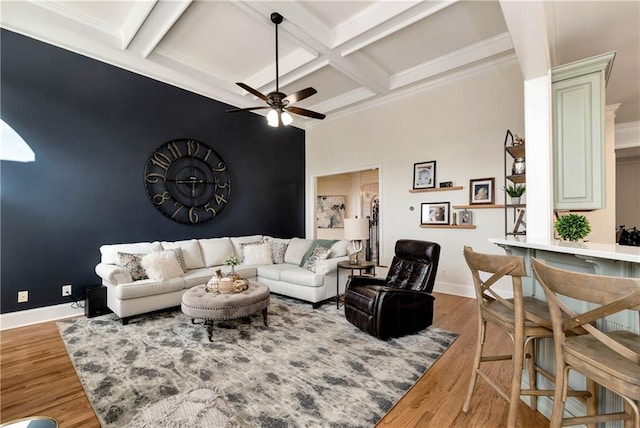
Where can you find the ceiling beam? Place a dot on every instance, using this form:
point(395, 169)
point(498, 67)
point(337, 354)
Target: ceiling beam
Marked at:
point(157, 24)
point(527, 26)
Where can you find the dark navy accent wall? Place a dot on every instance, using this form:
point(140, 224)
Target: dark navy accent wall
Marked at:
point(92, 127)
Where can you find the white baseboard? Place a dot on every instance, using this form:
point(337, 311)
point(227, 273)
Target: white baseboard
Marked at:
point(38, 315)
point(463, 290)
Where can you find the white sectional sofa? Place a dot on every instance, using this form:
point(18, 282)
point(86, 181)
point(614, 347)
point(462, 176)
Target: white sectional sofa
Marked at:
point(130, 292)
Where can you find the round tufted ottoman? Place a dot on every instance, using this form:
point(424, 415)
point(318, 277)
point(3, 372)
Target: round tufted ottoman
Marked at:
point(197, 303)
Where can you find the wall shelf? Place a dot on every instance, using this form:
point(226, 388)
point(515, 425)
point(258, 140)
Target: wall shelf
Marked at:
point(478, 206)
point(448, 226)
point(436, 189)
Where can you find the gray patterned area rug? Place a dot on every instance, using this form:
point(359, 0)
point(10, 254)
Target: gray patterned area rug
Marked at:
point(308, 368)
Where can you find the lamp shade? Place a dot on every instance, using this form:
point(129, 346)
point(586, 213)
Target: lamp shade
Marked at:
point(356, 229)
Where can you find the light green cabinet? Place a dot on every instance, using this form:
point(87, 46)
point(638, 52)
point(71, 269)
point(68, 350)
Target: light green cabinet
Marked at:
point(578, 133)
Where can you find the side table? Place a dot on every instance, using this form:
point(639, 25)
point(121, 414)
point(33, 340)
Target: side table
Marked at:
point(369, 267)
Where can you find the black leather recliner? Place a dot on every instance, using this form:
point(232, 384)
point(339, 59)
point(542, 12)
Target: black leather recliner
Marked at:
point(402, 303)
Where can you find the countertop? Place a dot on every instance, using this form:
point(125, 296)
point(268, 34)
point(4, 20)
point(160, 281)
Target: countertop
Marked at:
point(591, 249)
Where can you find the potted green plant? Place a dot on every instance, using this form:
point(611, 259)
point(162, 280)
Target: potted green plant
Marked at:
point(515, 192)
point(572, 227)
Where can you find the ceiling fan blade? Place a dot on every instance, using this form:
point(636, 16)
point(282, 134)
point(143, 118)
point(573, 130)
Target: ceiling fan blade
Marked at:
point(234, 110)
point(300, 95)
point(253, 91)
point(305, 112)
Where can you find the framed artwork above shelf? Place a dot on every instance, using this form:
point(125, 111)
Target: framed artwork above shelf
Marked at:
point(448, 226)
point(478, 206)
point(436, 189)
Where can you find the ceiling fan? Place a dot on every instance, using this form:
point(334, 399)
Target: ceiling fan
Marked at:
point(279, 103)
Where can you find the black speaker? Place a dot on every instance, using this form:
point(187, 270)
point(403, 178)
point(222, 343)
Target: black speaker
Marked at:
point(95, 303)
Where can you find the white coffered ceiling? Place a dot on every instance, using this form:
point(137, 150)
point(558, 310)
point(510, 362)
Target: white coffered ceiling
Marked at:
point(354, 53)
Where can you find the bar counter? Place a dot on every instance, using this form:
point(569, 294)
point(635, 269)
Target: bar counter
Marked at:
point(600, 259)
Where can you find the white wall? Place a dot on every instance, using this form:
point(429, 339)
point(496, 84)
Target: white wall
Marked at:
point(461, 125)
point(603, 221)
point(628, 191)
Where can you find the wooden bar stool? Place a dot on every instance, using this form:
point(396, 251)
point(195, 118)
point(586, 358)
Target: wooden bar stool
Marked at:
point(523, 318)
point(611, 359)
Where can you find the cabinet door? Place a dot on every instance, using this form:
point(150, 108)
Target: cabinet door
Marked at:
point(578, 109)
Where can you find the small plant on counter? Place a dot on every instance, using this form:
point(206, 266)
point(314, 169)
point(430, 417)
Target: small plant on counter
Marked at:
point(515, 191)
point(572, 227)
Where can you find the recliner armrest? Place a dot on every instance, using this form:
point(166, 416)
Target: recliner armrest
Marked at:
point(364, 280)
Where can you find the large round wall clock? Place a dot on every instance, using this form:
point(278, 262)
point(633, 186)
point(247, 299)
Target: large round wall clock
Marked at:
point(187, 181)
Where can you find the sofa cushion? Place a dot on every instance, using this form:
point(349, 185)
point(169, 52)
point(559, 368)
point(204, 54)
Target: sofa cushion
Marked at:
point(215, 250)
point(296, 250)
point(198, 276)
point(278, 248)
point(148, 287)
point(190, 250)
point(162, 265)
point(133, 263)
point(258, 254)
point(273, 271)
point(236, 241)
point(301, 276)
point(110, 252)
point(339, 249)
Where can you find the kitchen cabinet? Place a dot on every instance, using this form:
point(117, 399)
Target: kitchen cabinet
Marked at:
point(578, 94)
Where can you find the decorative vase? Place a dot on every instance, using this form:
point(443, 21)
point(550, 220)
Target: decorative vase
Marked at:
point(515, 200)
point(212, 285)
point(518, 166)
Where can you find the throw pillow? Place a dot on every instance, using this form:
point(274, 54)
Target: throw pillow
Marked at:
point(190, 249)
point(318, 253)
point(180, 257)
point(259, 254)
point(327, 243)
point(278, 248)
point(243, 248)
point(296, 250)
point(162, 265)
point(132, 263)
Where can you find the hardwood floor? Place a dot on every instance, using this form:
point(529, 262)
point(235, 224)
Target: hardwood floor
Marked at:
point(37, 378)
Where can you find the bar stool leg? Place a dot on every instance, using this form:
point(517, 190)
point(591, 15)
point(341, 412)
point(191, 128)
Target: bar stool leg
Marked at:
point(516, 383)
point(531, 363)
point(482, 327)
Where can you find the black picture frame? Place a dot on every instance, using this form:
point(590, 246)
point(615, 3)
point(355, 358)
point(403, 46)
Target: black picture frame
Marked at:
point(424, 175)
point(435, 213)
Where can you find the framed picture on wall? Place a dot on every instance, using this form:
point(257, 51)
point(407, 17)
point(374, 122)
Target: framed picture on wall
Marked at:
point(330, 211)
point(424, 175)
point(466, 217)
point(434, 213)
point(481, 191)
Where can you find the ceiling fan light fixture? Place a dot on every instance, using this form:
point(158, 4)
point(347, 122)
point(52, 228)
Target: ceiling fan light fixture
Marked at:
point(277, 101)
point(272, 118)
point(286, 118)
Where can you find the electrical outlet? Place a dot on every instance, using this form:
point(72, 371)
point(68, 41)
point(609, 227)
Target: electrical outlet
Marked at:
point(23, 296)
point(66, 290)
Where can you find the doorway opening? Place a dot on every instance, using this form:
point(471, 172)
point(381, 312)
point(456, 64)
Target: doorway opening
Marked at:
point(349, 195)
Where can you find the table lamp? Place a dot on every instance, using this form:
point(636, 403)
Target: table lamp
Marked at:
point(356, 230)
